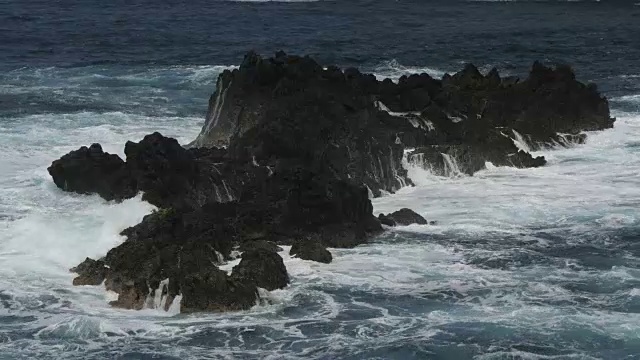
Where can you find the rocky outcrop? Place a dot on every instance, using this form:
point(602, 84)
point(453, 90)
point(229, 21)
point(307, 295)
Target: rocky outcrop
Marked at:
point(305, 147)
point(169, 175)
point(402, 217)
point(311, 250)
point(352, 121)
point(89, 170)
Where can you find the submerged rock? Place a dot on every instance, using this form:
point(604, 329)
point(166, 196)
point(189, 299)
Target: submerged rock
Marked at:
point(402, 217)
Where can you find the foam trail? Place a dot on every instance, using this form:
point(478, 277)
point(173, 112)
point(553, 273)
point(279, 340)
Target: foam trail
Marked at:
point(451, 168)
point(157, 297)
point(226, 189)
point(520, 142)
point(218, 196)
point(217, 108)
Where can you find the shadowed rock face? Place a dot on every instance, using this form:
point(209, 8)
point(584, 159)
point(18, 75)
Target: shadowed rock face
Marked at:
point(305, 147)
point(288, 107)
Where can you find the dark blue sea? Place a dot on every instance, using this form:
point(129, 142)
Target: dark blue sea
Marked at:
point(522, 264)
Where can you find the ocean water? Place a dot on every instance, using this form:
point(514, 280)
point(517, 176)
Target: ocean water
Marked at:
point(522, 263)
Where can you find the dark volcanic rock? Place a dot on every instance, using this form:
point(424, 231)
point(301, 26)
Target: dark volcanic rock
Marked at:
point(311, 250)
point(263, 268)
point(205, 288)
point(92, 171)
point(351, 121)
point(131, 294)
point(164, 170)
point(297, 201)
point(306, 146)
point(402, 217)
point(489, 117)
point(553, 101)
point(172, 176)
point(90, 272)
point(266, 107)
point(169, 175)
point(170, 244)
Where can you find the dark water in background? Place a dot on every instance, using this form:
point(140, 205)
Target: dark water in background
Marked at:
point(524, 264)
point(599, 38)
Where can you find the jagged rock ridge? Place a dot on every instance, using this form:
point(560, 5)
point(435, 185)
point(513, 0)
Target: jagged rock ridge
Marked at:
point(290, 105)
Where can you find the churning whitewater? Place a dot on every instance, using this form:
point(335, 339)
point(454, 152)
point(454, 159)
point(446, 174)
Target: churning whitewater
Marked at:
point(539, 263)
